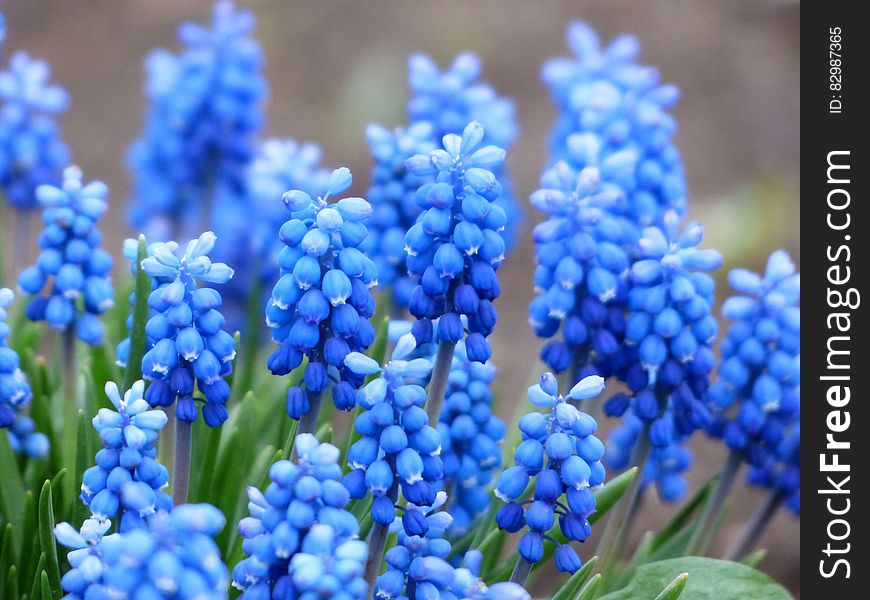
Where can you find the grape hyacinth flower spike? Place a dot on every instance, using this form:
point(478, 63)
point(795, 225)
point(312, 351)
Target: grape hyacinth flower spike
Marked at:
point(398, 449)
point(69, 285)
point(756, 400)
point(15, 394)
point(32, 152)
point(560, 455)
point(205, 110)
point(321, 306)
point(454, 249)
point(126, 484)
point(299, 539)
point(173, 557)
point(187, 348)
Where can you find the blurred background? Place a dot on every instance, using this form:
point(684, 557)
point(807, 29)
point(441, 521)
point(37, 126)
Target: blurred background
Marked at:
point(335, 66)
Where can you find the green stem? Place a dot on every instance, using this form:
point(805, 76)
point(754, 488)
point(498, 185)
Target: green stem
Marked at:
point(438, 384)
point(702, 535)
point(625, 512)
point(755, 527)
point(181, 476)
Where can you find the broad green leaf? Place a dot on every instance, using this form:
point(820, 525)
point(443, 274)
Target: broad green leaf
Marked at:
point(709, 579)
point(46, 537)
point(138, 340)
point(11, 486)
point(590, 590)
point(674, 588)
point(571, 588)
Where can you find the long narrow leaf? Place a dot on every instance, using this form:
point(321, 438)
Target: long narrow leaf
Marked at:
point(571, 588)
point(140, 317)
point(590, 590)
point(46, 538)
point(11, 486)
point(674, 588)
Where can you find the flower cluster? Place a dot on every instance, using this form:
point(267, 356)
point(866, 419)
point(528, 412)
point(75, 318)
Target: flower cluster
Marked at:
point(205, 108)
point(471, 435)
point(70, 280)
point(172, 557)
point(669, 331)
point(757, 396)
point(561, 454)
point(15, 393)
point(581, 266)
point(186, 342)
point(393, 195)
point(32, 151)
point(299, 539)
point(321, 306)
point(603, 91)
point(448, 101)
point(456, 245)
point(398, 448)
point(781, 471)
point(125, 485)
point(418, 567)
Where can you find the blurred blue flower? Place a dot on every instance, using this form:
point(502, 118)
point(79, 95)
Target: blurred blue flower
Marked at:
point(456, 245)
point(398, 449)
point(321, 306)
point(186, 342)
point(780, 471)
point(559, 455)
point(174, 557)
point(603, 91)
point(204, 112)
point(449, 100)
point(125, 485)
point(471, 435)
point(299, 540)
point(69, 284)
point(32, 152)
point(15, 394)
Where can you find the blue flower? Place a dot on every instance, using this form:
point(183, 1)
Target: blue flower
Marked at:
point(472, 436)
point(69, 283)
point(559, 455)
point(186, 342)
point(756, 400)
point(603, 91)
point(582, 266)
point(393, 196)
point(125, 485)
point(449, 100)
point(456, 244)
point(299, 540)
point(205, 109)
point(780, 471)
point(173, 557)
point(32, 152)
point(321, 306)
point(398, 449)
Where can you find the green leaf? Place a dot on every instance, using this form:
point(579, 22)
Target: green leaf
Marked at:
point(140, 317)
point(30, 545)
point(709, 579)
point(674, 588)
point(45, 587)
point(6, 556)
point(571, 588)
point(203, 478)
point(590, 590)
point(491, 548)
point(11, 587)
point(35, 588)
point(754, 559)
point(11, 486)
point(46, 537)
point(679, 521)
point(611, 492)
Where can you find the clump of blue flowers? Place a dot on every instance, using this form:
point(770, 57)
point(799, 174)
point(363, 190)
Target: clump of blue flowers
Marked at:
point(172, 557)
point(126, 484)
point(582, 265)
point(205, 109)
point(561, 455)
point(456, 245)
point(757, 395)
point(321, 306)
point(69, 284)
point(299, 539)
point(471, 435)
point(32, 151)
point(15, 393)
point(186, 342)
point(603, 91)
